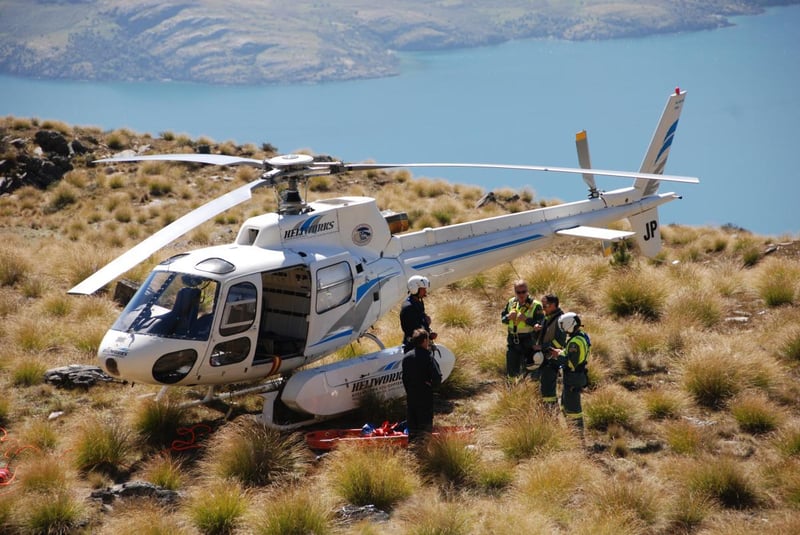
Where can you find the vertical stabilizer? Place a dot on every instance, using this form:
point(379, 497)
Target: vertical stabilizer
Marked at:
point(646, 224)
point(656, 157)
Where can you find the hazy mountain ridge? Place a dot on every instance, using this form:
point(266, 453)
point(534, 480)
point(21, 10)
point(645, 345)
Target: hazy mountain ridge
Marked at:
point(249, 42)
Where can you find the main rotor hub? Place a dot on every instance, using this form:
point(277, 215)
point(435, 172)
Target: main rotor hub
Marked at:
point(290, 160)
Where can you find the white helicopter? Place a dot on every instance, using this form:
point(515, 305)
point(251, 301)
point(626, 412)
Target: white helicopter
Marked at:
point(299, 284)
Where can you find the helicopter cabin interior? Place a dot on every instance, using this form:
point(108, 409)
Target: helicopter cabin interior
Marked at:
point(284, 314)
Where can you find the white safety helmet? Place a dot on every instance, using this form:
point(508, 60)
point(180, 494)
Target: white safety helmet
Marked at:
point(416, 282)
point(569, 322)
point(538, 360)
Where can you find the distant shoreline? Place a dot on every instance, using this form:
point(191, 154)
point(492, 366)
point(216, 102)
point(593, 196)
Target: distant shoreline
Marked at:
point(353, 40)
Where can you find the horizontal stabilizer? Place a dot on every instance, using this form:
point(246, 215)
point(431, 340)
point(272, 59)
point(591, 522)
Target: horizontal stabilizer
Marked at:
point(595, 233)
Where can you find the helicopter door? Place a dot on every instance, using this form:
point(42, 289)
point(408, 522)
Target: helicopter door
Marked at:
point(283, 328)
point(234, 339)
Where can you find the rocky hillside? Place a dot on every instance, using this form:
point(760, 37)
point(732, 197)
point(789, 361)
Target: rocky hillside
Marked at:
point(255, 41)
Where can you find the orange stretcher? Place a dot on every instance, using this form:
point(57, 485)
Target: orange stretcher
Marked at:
point(387, 434)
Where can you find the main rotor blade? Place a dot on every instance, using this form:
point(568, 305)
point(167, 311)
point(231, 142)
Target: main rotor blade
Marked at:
point(174, 230)
point(213, 159)
point(601, 172)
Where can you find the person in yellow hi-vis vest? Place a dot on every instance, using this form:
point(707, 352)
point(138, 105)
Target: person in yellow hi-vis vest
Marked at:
point(523, 316)
point(572, 360)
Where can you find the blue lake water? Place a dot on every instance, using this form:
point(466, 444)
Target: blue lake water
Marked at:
point(520, 103)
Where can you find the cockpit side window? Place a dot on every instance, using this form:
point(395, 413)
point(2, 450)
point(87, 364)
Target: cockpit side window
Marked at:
point(239, 311)
point(334, 286)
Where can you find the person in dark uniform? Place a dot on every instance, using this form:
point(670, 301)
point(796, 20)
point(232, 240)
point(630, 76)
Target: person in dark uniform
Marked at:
point(412, 313)
point(573, 360)
point(421, 374)
point(550, 336)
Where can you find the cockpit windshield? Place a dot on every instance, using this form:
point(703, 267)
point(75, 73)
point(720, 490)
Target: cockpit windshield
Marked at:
point(173, 305)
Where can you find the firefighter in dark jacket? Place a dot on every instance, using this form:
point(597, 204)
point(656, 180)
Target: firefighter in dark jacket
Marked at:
point(550, 336)
point(572, 360)
point(412, 312)
point(421, 374)
point(523, 316)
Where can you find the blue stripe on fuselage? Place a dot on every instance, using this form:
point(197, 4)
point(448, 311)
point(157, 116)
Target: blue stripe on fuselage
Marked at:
point(476, 252)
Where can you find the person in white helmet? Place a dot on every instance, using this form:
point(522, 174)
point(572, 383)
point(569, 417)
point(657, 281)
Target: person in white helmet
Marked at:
point(412, 313)
point(572, 360)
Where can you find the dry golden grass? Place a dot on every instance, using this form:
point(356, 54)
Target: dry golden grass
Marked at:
point(693, 413)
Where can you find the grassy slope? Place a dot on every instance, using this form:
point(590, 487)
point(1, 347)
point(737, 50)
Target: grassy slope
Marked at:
point(51, 239)
point(247, 41)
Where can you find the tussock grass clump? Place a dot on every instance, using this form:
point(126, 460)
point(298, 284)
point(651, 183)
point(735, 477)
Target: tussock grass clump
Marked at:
point(687, 512)
point(457, 311)
point(755, 413)
point(218, 509)
point(5, 410)
point(102, 445)
point(636, 292)
point(526, 434)
point(787, 441)
point(28, 372)
point(42, 473)
point(723, 480)
point(685, 438)
point(294, 511)
point(165, 471)
point(41, 434)
point(429, 515)
point(628, 498)
point(790, 346)
point(777, 282)
point(710, 375)
point(13, 267)
point(661, 404)
point(255, 455)
point(549, 482)
point(379, 476)
point(56, 513)
point(159, 422)
point(144, 517)
point(611, 406)
point(451, 457)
